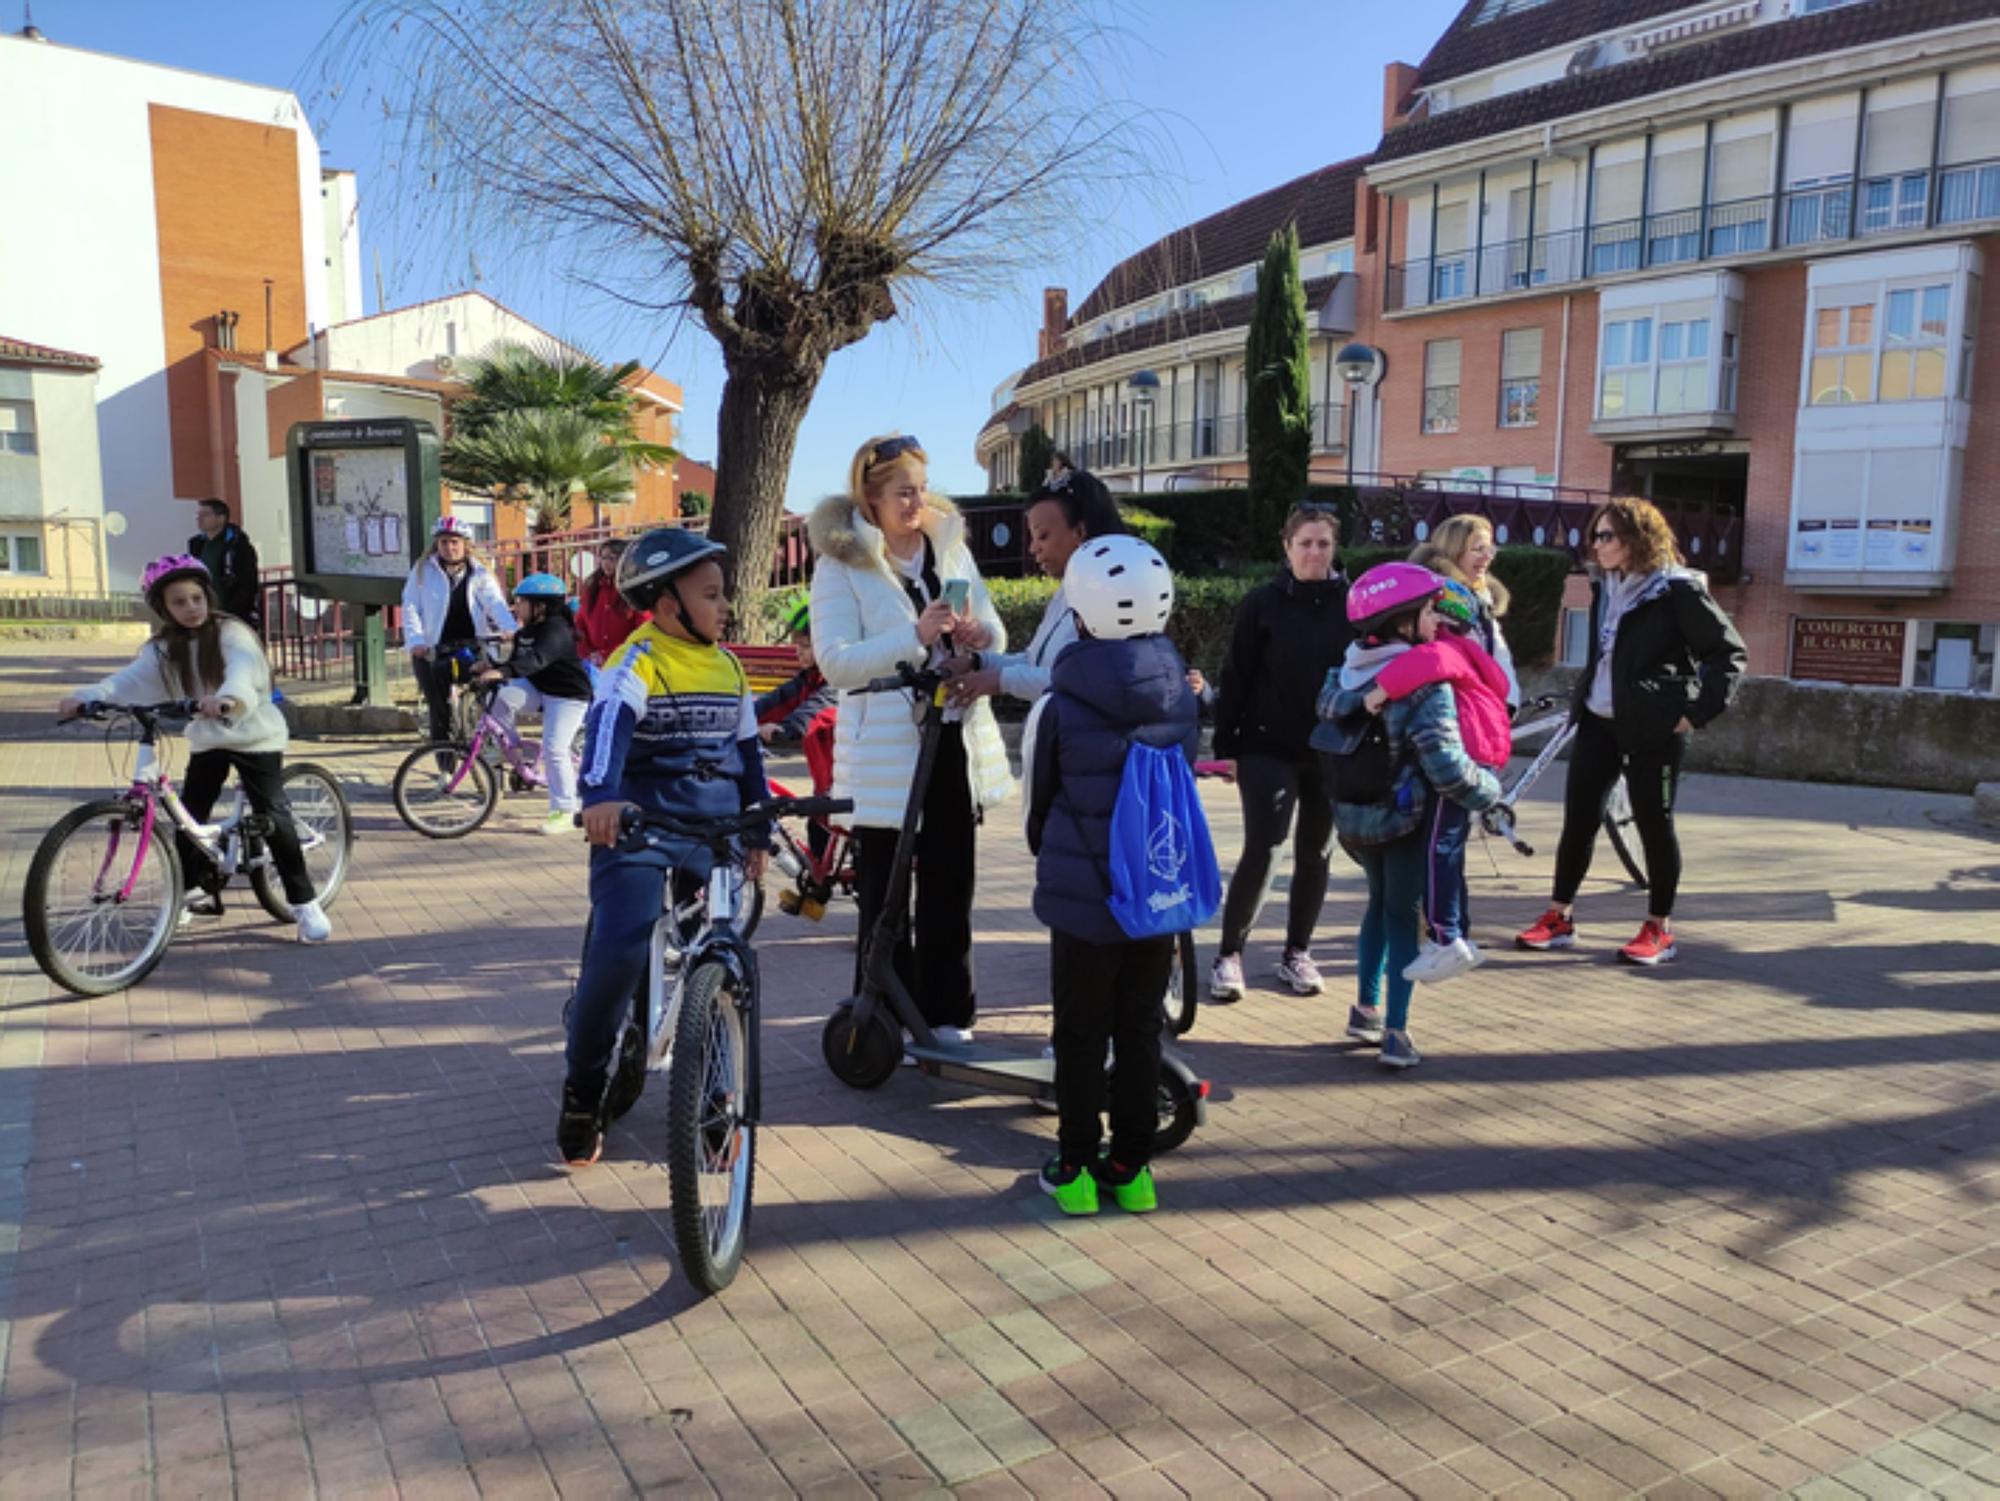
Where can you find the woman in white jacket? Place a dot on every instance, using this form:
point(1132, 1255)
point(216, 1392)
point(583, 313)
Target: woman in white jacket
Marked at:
point(884, 553)
point(199, 653)
point(450, 600)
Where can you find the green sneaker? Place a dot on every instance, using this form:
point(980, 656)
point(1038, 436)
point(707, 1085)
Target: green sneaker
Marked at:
point(1136, 1194)
point(1073, 1189)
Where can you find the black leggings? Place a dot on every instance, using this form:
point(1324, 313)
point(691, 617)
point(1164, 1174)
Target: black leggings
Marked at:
point(1272, 790)
point(262, 776)
point(1651, 777)
point(435, 675)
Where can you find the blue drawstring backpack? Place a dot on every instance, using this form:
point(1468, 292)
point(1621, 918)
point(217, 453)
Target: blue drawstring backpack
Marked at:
point(1164, 878)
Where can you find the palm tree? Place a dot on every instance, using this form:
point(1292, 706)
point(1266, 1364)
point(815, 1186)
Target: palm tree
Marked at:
point(545, 426)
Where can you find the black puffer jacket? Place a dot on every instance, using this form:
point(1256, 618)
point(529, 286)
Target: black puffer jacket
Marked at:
point(1288, 636)
point(1674, 655)
point(545, 654)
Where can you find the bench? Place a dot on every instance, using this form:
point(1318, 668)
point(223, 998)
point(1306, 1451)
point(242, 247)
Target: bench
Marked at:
point(765, 667)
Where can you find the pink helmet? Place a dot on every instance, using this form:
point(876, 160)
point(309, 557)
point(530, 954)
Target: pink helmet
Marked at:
point(1387, 590)
point(175, 565)
point(451, 526)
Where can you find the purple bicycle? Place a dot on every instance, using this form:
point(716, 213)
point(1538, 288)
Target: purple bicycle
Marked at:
point(105, 889)
point(447, 788)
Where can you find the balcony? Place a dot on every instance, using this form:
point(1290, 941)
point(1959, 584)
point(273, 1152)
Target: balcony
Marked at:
point(1900, 203)
point(1200, 439)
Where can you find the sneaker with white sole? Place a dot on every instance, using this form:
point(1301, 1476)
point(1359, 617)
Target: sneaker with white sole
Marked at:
point(313, 924)
point(1298, 973)
point(1398, 1051)
point(1437, 962)
point(559, 821)
point(1225, 979)
point(1364, 1023)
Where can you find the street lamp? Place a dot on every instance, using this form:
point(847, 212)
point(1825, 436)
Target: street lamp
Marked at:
point(1358, 365)
point(1145, 388)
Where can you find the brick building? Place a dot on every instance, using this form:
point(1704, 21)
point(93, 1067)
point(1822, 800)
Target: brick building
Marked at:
point(1726, 255)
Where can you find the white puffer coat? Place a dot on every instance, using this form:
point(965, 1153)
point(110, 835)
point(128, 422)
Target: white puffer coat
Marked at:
point(255, 725)
point(863, 625)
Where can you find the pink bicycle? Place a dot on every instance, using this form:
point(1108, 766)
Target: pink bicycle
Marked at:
point(447, 788)
point(105, 889)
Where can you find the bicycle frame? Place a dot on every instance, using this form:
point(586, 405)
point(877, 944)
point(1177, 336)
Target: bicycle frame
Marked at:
point(718, 940)
point(512, 748)
point(153, 789)
point(825, 873)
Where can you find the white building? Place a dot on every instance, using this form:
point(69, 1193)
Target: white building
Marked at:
point(51, 488)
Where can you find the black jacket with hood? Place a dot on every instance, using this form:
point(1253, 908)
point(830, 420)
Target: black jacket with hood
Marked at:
point(1674, 655)
point(1288, 636)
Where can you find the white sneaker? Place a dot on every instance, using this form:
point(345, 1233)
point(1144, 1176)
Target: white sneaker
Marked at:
point(313, 924)
point(558, 822)
point(1437, 962)
point(1298, 974)
point(1225, 979)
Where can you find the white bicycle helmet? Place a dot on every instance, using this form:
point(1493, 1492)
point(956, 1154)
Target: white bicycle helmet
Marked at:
point(1119, 587)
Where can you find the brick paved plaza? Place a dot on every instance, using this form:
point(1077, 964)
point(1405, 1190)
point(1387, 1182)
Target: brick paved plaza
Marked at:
point(284, 1221)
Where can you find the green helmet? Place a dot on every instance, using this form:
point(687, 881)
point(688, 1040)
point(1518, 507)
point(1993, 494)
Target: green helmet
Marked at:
point(798, 615)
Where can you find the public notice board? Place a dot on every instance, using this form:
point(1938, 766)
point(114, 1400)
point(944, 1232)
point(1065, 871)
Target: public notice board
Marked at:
point(1867, 653)
point(364, 493)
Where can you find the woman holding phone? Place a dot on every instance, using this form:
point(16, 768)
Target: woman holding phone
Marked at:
point(894, 584)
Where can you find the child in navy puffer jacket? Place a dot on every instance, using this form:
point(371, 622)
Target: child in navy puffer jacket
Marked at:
point(1120, 684)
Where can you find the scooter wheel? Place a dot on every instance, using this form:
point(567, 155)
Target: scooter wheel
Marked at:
point(1177, 1112)
point(862, 1057)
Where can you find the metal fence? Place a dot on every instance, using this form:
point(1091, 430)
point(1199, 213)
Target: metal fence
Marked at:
point(72, 607)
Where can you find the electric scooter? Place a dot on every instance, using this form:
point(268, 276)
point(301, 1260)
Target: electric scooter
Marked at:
point(863, 1041)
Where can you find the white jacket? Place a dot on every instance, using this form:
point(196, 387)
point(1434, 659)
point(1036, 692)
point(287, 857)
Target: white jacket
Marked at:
point(863, 626)
point(255, 724)
point(1025, 675)
point(427, 595)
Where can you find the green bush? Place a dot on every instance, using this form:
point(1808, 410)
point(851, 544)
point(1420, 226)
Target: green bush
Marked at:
point(1150, 527)
point(1534, 576)
point(1215, 528)
point(1204, 612)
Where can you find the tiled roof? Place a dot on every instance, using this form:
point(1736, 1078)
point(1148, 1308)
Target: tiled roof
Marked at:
point(1466, 48)
point(1000, 418)
point(1321, 203)
point(21, 352)
point(1188, 323)
point(1766, 46)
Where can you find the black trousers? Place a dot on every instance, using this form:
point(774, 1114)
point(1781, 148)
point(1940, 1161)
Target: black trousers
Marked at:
point(1273, 791)
point(937, 967)
point(1595, 762)
point(262, 776)
point(1108, 992)
point(435, 675)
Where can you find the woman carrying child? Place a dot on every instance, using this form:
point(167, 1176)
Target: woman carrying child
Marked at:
point(545, 675)
point(1383, 816)
point(1479, 686)
point(197, 652)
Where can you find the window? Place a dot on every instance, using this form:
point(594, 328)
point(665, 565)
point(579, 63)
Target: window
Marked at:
point(1493, 10)
point(1814, 7)
point(1843, 362)
point(1441, 361)
point(1451, 265)
point(20, 552)
point(477, 516)
point(1616, 196)
point(1521, 377)
point(1627, 389)
point(1683, 384)
point(1914, 323)
point(1955, 656)
point(1575, 637)
point(17, 427)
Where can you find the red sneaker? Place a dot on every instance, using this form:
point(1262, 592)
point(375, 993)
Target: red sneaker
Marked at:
point(1654, 945)
point(1551, 931)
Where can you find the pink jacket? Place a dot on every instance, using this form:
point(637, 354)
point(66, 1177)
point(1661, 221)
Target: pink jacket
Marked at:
point(1478, 682)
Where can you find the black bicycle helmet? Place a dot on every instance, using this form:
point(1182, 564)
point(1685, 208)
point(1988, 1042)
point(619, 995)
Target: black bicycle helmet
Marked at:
point(648, 568)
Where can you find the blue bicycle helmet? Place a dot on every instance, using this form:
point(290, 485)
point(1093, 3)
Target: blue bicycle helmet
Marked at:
point(540, 586)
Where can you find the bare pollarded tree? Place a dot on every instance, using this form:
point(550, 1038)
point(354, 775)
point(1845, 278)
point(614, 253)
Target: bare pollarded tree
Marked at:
point(784, 171)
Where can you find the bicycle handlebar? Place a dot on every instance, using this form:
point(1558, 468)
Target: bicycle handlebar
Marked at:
point(907, 678)
point(635, 823)
point(173, 708)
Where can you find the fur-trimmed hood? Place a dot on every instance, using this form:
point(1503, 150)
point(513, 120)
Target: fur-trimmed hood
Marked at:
point(837, 530)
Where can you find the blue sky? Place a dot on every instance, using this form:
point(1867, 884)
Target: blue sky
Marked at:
point(1248, 94)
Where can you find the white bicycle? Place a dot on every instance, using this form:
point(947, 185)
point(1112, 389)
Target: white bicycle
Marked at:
point(1556, 722)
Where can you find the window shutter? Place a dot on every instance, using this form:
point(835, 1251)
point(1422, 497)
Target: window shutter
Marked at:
point(1972, 127)
point(1521, 354)
point(1453, 229)
point(1441, 360)
point(1820, 149)
point(1742, 170)
point(1617, 193)
point(1899, 140)
point(1676, 181)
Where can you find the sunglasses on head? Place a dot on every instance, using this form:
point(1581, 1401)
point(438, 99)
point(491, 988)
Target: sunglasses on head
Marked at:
point(892, 448)
point(1603, 534)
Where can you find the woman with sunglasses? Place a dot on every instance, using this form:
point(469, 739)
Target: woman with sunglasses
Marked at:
point(1288, 635)
point(1664, 660)
point(887, 553)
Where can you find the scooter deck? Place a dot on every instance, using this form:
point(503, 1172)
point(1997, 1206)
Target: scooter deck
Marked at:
point(1009, 1074)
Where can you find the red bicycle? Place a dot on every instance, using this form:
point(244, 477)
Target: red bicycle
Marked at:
point(816, 877)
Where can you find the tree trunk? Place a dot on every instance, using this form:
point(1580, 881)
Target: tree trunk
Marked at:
point(763, 404)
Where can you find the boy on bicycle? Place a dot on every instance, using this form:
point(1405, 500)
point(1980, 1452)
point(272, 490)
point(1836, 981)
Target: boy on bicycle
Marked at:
point(672, 729)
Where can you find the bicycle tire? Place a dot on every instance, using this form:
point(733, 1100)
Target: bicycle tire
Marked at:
point(1177, 1112)
point(1183, 994)
point(46, 930)
point(709, 1143)
point(1618, 823)
point(414, 809)
point(324, 809)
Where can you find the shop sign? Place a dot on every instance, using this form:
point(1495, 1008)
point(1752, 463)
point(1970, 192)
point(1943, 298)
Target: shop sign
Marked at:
point(1864, 652)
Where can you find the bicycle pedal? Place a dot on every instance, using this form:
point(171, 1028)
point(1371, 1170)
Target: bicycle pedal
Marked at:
point(812, 910)
point(788, 903)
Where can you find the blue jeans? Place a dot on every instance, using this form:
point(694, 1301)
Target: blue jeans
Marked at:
point(1445, 833)
point(627, 892)
point(1393, 923)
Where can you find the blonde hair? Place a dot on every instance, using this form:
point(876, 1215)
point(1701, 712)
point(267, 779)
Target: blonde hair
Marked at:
point(1441, 551)
point(865, 474)
point(1649, 541)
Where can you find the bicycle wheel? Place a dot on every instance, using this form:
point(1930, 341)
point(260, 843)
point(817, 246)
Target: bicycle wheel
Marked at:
point(326, 836)
point(1624, 832)
point(84, 934)
point(435, 799)
point(1183, 993)
point(1177, 1112)
point(711, 1147)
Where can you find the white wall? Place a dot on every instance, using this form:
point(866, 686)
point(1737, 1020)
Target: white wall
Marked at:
point(79, 149)
point(340, 245)
point(407, 341)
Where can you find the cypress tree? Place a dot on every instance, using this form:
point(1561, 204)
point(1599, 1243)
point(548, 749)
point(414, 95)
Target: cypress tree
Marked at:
point(1277, 371)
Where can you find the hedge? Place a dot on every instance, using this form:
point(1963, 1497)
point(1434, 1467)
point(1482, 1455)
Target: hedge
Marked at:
point(1204, 613)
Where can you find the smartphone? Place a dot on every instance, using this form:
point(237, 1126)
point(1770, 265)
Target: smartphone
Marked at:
point(956, 593)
